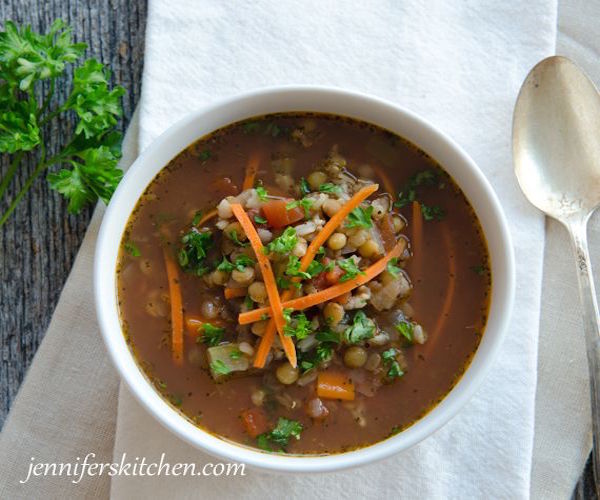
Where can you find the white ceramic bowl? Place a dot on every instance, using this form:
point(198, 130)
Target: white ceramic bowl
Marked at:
point(385, 114)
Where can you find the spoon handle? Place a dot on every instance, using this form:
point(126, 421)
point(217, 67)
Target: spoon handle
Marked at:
point(587, 292)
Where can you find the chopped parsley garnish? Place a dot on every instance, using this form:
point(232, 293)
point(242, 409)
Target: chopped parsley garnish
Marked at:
point(351, 270)
point(132, 249)
point(480, 270)
point(219, 367)
point(240, 263)
point(406, 329)
point(260, 220)
point(192, 255)
point(409, 194)
point(280, 436)
point(297, 325)
point(328, 187)
point(360, 217)
point(251, 127)
point(197, 218)
point(409, 191)
point(432, 212)
point(304, 187)
point(211, 335)
point(362, 328)
point(233, 236)
point(262, 193)
point(305, 203)
point(327, 335)
point(283, 244)
point(313, 359)
point(237, 354)
point(248, 302)
point(390, 360)
point(204, 155)
point(293, 268)
point(272, 129)
point(392, 267)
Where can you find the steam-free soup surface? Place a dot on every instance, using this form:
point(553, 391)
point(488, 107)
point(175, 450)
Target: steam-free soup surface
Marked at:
point(393, 347)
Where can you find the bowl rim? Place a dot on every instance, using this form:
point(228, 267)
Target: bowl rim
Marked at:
point(487, 208)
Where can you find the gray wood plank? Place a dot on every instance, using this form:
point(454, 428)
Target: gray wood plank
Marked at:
point(39, 242)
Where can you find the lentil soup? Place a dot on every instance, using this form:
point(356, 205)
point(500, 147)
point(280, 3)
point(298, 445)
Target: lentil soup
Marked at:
point(303, 283)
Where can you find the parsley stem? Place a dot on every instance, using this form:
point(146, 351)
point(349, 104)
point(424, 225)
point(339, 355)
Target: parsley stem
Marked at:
point(38, 170)
point(47, 99)
point(10, 173)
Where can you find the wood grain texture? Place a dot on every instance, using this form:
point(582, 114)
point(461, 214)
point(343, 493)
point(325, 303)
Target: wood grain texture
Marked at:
point(39, 242)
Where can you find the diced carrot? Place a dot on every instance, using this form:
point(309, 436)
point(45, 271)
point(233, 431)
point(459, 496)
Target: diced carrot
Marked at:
point(278, 215)
point(254, 421)
point(193, 324)
point(232, 293)
point(334, 385)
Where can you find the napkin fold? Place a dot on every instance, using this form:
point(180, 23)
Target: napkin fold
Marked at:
point(459, 65)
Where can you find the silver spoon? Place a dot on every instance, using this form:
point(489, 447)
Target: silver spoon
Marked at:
point(556, 151)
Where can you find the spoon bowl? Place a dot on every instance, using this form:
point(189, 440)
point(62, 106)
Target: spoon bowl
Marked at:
point(556, 139)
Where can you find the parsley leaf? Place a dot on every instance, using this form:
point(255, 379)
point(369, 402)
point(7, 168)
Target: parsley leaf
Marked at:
point(260, 220)
point(362, 328)
point(393, 268)
point(432, 212)
point(406, 330)
point(192, 255)
point(329, 187)
point(211, 335)
point(327, 335)
point(305, 203)
point(298, 325)
point(26, 60)
point(240, 263)
point(237, 354)
point(233, 236)
point(283, 244)
point(360, 217)
point(204, 155)
point(281, 434)
point(219, 368)
point(390, 360)
point(132, 249)
point(262, 193)
point(408, 194)
point(304, 187)
point(351, 270)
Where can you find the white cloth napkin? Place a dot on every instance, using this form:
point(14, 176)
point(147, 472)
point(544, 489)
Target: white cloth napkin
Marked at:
point(458, 64)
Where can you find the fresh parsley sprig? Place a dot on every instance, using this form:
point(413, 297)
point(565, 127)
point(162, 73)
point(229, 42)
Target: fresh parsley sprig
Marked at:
point(27, 61)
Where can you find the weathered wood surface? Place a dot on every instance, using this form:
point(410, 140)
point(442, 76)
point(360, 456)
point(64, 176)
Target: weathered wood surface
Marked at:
point(39, 242)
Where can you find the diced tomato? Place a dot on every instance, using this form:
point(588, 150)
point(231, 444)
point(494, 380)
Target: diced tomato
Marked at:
point(254, 421)
point(278, 215)
point(334, 275)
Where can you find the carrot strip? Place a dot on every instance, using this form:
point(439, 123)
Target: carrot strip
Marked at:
point(385, 180)
point(251, 171)
point(232, 293)
point(207, 216)
point(416, 241)
point(329, 293)
point(328, 229)
point(451, 286)
point(176, 307)
point(269, 279)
